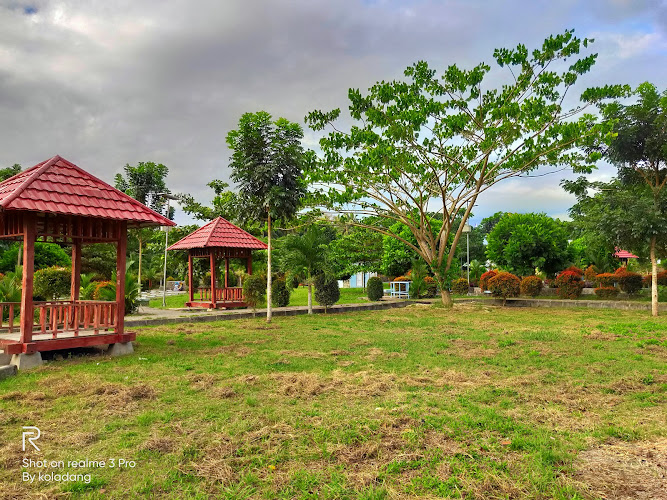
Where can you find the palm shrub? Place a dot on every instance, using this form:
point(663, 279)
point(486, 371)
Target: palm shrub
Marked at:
point(327, 292)
point(106, 290)
point(476, 270)
point(460, 286)
point(375, 289)
point(279, 293)
point(531, 286)
point(10, 291)
point(569, 284)
point(254, 290)
point(505, 285)
point(418, 274)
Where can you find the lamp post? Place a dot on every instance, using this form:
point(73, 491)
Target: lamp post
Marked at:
point(466, 229)
point(169, 197)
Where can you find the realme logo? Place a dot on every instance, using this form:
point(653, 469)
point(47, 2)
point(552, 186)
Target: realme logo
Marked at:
point(32, 433)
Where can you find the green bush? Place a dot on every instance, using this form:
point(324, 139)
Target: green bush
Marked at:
point(292, 281)
point(327, 292)
point(460, 286)
point(531, 286)
point(630, 282)
point(374, 288)
point(88, 291)
point(279, 293)
point(106, 290)
point(606, 292)
point(254, 290)
point(504, 285)
point(52, 283)
point(569, 284)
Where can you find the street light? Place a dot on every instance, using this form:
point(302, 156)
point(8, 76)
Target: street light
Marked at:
point(169, 197)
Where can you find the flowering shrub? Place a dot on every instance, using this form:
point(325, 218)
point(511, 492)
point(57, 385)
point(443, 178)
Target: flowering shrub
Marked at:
point(569, 284)
point(575, 270)
point(401, 278)
point(460, 286)
point(606, 280)
point(591, 272)
point(630, 282)
point(98, 294)
point(549, 283)
point(484, 279)
point(606, 292)
point(662, 279)
point(505, 285)
point(531, 285)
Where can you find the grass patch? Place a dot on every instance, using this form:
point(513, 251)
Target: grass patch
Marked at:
point(474, 402)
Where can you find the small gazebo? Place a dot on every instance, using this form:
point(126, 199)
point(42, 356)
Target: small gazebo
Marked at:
point(624, 256)
point(218, 239)
point(56, 201)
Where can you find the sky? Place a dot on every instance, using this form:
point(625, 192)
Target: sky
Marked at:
point(110, 83)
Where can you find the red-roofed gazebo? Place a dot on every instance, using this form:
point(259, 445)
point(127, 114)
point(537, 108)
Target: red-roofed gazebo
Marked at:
point(56, 201)
point(218, 239)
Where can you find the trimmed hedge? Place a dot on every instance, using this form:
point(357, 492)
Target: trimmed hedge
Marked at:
point(327, 292)
point(606, 292)
point(662, 279)
point(52, 283)
point(531, 285)
point(591, 272)
point(484, 279)
point(374, 289)
point(569, 284)
point(254, 289)
point(279, 293)
point(630, 283)
point(505, 285)
point(460, 286)
point(606, 280)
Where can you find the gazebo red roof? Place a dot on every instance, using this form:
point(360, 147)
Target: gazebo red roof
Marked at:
point(59, 186)
point(624, 254)
point(219, 233)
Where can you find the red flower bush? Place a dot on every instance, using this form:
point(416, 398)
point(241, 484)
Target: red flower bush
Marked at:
point(606, 292)
point(569, 284)
point(531, 285)
point(662, 279)
point(484, 279)
point(606, 280)
point(630, 282)
point(591, 272)
point(401, 278)
point(505, 285)
point(575, 270)
point(431, 287)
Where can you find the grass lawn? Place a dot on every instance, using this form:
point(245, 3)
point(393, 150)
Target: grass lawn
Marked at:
point(474, 402)
point(299, 297)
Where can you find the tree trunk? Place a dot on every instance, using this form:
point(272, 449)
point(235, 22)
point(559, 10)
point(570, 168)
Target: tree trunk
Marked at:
point(654, 279)
point(268, 276)
point(310, 296)
point(446, 298)
point(139, 277)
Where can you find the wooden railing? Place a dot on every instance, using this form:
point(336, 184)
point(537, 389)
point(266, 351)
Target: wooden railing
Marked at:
point(230, 294)
point(13, 308)
point(58, 316)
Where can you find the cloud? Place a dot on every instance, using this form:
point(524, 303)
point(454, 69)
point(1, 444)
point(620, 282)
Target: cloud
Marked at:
point(109, 83)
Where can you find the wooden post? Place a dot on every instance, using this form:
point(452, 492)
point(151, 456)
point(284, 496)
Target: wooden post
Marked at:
point(190, 280)
point(27, 306)
point(121, 250)
point(76, 270)
point(226, 272)
point(213, 278)
point(249, 264)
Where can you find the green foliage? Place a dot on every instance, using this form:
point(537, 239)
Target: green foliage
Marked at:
point(327, 292)
point(375, 288)
point(254, 290)
point(292, 280)
point(521, 243)
point(569, 285)
point(226, 204)
point(144, 182)
point(6, 173)
point(476, 271)
point(106, 290)
point(52, 283)
point(279, 293)
point(418, 275)
point(46, 255)
point(630, 283)
point(432, 143)
point(100, 259)
point(10, 290)
point(460, 286)
point(358, 249)
point(505, 285)
point(606, 292)
point(531, 286)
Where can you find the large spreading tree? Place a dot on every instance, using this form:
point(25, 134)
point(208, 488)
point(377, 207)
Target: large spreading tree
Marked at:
point(267, 161)
point(433, 144)
point(631, 210)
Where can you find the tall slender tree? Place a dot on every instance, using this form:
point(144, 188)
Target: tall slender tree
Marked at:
point(267, 161)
